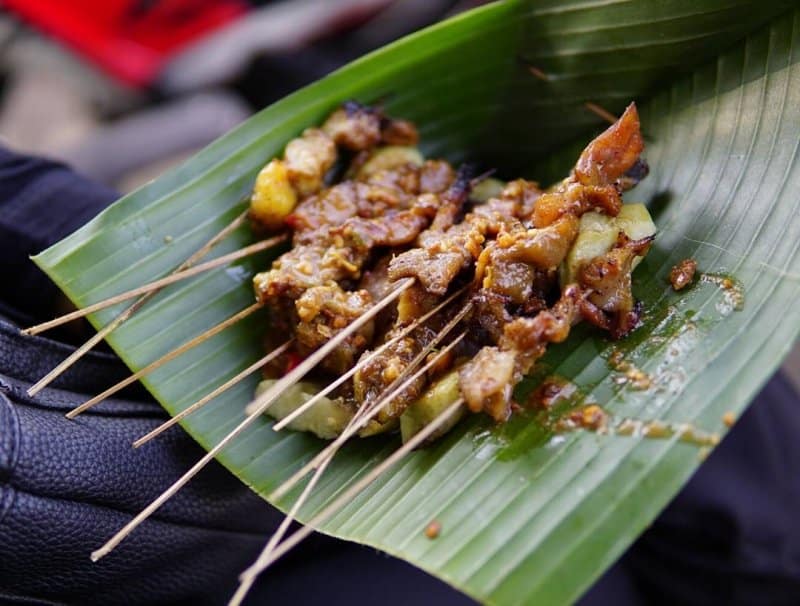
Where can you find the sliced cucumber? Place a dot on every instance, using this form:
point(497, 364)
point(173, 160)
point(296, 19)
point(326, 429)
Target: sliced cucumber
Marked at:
point(326, 419)
point(488, 188)
point(598, 234)
point(374, 427)
point(429, 406)
point(389, 157)
point(635, 221)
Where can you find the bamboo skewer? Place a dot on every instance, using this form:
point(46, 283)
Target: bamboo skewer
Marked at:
point(127, 313)
point(246, 584)
point(165, 358)
point(269, 357)
point(354, 427)
point(391, 390)
point(601, 112)
point(331, 386)
point(262, 564)
point(354, 422)
point(261, 403)
point(158, 284)
point(213, 394)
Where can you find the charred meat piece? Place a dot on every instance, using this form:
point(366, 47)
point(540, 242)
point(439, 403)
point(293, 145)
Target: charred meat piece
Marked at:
point(487, 381)
point(398, 132)
point(354, 126)
point(608, 280)
point(613, 153)
point(395, 228)
point(335, 233)
point(575, 199)
point(358, 127)
point(682, 274)
point(333, 206)
point(429, 177)
point(508, 264)
point(446, 247)
point(529, 336)
point(375, 377)
point(514, 205)
point(375, 280)
point(600, 175)
point(633, 175)
point(437, 264)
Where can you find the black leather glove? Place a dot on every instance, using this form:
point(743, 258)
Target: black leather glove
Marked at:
point(68, 486)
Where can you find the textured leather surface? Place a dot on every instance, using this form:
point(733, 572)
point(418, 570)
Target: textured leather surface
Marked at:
point(66, 486)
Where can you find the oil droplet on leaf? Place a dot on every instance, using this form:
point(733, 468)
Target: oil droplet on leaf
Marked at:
point(433, 529)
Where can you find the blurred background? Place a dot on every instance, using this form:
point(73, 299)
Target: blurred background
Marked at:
point(122, 90)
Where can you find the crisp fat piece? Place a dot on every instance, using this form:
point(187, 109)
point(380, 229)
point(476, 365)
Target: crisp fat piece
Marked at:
point(308, 158)
point(487, 381)
point(613, 153)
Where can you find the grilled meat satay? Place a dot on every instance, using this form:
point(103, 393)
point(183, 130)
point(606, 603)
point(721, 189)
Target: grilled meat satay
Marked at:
point(606, 166)
point(359, 127)
point(375, 376)
point(487, 381)
point(507, 273)
point(335, 233)
point(444, 264)
point(540, 261)
point(335, 230)
point(512, 272)
point(311, 274)
point(446, 247)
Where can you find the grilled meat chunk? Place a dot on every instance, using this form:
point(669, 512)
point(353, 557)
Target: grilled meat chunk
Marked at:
point(488, 380)
point(608, 279)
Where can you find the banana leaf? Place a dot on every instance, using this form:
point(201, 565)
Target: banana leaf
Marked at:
point(527, 515)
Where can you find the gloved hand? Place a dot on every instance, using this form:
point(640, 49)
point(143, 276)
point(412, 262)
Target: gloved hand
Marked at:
point(67, 486)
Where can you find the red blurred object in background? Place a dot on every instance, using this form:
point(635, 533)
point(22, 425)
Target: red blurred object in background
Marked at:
point(129, 39)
